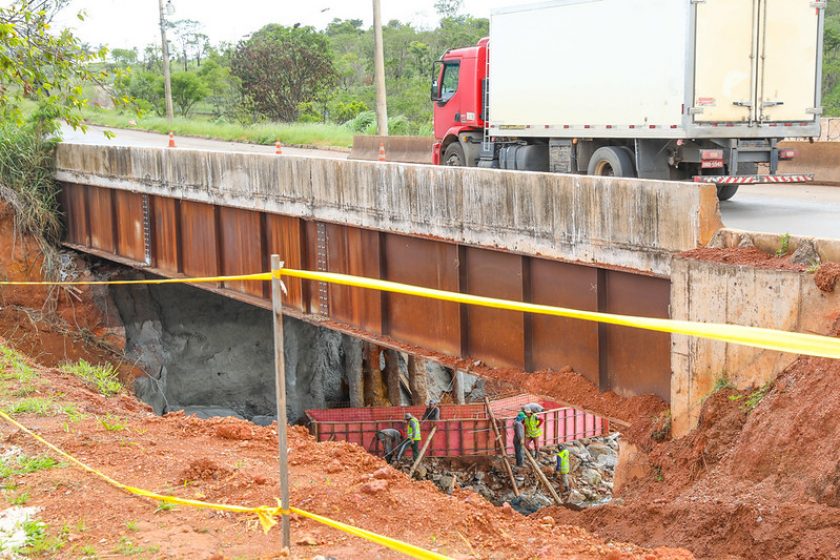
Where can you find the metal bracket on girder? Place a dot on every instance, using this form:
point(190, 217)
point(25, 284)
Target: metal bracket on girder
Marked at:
point(322, 264)
point(147, 230)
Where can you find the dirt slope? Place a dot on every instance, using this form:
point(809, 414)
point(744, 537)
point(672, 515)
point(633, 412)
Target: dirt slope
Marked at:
point(234, 461)
point(754, 484)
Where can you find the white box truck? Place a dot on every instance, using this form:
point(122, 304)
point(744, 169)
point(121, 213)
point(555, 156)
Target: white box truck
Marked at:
point(698, 90)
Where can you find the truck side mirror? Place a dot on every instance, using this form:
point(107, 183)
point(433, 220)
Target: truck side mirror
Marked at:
point(435, 95)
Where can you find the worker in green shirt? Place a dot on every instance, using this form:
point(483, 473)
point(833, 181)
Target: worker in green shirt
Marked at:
point(562, 468)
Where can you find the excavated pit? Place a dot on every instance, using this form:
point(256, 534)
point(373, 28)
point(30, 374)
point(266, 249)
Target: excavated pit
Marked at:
point(213, 356)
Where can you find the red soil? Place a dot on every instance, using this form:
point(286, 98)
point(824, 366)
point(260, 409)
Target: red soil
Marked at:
point(194, 458)
point(754, 484)
point(827, 277)
point(752, 256)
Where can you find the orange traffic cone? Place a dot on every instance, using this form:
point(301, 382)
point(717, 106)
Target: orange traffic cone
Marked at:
point(382, 151)
point(278, 148)
point(171, 139)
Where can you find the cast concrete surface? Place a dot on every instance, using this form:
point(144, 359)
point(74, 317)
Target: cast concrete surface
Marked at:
point(805, 210)
point(95, 135)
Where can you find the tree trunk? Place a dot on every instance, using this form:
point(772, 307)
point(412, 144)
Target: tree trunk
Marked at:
point(417, 381)
point(392, 373)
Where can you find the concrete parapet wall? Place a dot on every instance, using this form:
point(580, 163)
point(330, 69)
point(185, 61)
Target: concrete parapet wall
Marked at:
point(727, 293)
point(628, 223)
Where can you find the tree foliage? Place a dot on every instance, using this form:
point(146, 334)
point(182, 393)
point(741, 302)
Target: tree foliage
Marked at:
point(39, 65)
point(282, 67)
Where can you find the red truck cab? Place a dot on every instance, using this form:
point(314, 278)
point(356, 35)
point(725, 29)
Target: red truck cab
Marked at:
point(458, 93)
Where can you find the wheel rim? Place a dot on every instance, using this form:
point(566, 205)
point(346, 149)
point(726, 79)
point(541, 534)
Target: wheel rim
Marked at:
point(453, 161)
point(604, 169)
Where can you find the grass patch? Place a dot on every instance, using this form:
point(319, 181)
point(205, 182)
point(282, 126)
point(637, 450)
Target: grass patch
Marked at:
point(39, 542)
point(20, 500)
point(298, 134)
point(753, 399)
point(103, 377)
point(112, 424)
point(42, 406)
point(16, 367)
point(721, 383)
point(784, 246)
point(127, 547)
point(22, 464)
point(164, 506)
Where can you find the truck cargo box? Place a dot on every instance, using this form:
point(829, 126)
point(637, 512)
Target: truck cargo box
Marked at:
point(656, 68)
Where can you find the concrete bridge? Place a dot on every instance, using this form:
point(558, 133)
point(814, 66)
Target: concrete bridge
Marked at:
point(580, 242)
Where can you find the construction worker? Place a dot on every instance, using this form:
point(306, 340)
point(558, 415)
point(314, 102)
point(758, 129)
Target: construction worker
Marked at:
point(432, 411)
point(562, 468)
point(412, 433)
point(519, 438)
point(533, 430)
point(390, 440)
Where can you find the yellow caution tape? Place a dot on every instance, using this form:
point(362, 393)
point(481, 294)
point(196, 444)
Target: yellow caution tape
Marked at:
point(267, 515)
point(262, 277)
point(769, 339)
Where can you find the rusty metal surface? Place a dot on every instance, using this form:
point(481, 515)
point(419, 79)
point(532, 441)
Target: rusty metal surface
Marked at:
point(75, 213)
point(243, 248)
point(285, 237)
point(496, 336)
point(101, 213)
point(166, 233)
point(196, 239)
point(131, 240)
point(199, 241)
point(557, 342)
point(355, 251)
point(432, 264)
point(638, 362)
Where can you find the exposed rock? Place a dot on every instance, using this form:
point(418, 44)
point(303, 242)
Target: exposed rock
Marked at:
point(374, 486)
point(746, 242)
point(806, 254)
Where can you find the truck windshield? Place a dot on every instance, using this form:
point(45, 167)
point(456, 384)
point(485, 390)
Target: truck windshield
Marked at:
point(449, 80)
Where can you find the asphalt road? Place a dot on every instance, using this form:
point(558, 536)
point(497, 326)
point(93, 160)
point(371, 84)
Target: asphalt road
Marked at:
point(805, 210)
point(95, 135)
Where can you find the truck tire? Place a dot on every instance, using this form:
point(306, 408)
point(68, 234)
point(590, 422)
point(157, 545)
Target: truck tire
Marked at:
point(611, 161)
point(725, 192)
point(454, 155)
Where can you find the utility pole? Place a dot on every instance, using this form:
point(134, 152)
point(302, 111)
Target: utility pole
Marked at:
point(280, 393)
point(167, 79)
point(379, 71)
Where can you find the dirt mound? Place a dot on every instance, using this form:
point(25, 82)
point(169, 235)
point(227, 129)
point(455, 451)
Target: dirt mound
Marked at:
point(758, 479)
point(203, 469)
point(827, 277)
point(748, 256)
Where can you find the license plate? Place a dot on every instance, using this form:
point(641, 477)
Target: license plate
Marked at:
point(712, 164)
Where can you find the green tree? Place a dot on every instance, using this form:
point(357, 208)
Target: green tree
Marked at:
point(282, 67)
point(187, 90)
point(48, 68)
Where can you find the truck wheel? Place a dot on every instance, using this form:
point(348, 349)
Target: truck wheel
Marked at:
point(454, 155)
point(611, 161)
point(725, 192)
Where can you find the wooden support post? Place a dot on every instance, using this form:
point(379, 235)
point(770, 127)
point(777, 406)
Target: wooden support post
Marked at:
point(458, 386)
point(280, 393)
point(374, 389)
point(392, 374)
point(542, 477)
point(422, 452)
point(501, 446)
point(417, 380)
point(353, 364)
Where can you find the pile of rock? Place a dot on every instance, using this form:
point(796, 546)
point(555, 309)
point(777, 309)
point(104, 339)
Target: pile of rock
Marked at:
point(593, 462)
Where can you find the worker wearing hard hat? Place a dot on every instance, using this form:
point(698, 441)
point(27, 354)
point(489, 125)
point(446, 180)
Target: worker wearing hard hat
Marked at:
point(533, 430)
point(412, 432)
